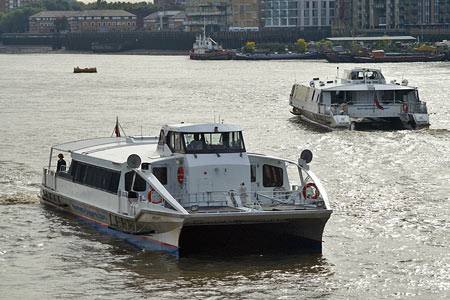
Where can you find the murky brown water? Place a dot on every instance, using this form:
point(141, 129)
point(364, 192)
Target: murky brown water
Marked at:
point(388, 237)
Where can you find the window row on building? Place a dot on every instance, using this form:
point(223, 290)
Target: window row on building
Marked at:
point(87, 20)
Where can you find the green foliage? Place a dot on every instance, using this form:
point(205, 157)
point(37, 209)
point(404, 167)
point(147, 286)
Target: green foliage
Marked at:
point(356, 48)
point(250, 47)
point(2, 16)
point(61, 24)
point(384, 45)
point(301, 46)
point(17, 20)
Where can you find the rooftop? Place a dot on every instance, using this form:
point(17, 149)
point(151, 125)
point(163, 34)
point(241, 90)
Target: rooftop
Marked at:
point(169, 13)
point(83, 13)
point(372, 38)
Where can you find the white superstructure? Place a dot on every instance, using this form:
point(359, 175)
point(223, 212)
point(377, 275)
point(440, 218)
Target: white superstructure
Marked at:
point(189, 189)
point(362, 96)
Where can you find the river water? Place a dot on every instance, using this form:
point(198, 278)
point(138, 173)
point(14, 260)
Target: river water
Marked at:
point(388, 237)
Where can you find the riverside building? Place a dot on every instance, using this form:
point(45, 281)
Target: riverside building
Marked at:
point(391, 15)
point(165, 20)
point(225, 15)
point(297, 13)
point(81, 21)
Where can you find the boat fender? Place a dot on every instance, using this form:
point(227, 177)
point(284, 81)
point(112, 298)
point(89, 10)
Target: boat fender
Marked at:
point(405, 106)
point(149, 196)
point(311, 185)
point(180, 175)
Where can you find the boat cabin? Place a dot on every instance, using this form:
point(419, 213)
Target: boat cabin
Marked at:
point(366, 76)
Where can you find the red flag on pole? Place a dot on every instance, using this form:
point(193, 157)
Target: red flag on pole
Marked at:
point(116, 128)
point(377, 104)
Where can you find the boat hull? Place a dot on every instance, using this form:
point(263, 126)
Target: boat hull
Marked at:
point(288, 236)
point(313, 55)
point(218, 55)
point(407, 121)
point(386, 59)
point(292, 231)
point(144, 235)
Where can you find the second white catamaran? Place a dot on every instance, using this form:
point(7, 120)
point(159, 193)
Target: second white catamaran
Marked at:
point(361, 97)
point(193, 189)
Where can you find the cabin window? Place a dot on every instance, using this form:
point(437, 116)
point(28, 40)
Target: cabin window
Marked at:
point(178, 148)
point(140, 185)
point(128, 181)
point(174, 141)
point(79, 173)
point(214, 142)
point(94, 176)
point(252, 173)
point(161, 174)
point(272, 176)
point(161, 138)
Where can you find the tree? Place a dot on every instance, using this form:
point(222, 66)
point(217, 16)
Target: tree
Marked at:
point(250, 47)
point(61, 24)
point(17, 20)
point(301, 46)
point(55, 4)
point(2, 16)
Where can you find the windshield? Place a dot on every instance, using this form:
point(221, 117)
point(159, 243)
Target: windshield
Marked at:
point(214, 142)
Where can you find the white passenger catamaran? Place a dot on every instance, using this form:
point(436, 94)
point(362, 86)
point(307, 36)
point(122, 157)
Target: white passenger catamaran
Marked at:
point(361, 97)
point(193, 189)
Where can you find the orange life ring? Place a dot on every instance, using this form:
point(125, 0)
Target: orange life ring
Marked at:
point(149, 196)
point(405, 106)
point(313, 185)
point(180, 175)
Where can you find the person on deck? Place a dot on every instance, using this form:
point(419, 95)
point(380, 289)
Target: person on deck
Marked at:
point(61, 166)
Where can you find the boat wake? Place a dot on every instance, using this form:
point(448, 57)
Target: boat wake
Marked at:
point(18, 199)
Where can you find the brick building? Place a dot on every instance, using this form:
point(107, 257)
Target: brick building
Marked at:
point(87, 20)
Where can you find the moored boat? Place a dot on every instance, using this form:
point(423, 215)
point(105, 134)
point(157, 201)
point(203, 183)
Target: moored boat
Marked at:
point(193, 188)
point(84, 70)
point(205, 48)
point(275, 56)
point(379, 56)
point(362, 97)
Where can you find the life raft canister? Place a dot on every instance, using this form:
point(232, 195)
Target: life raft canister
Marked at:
point(313, 186)
point(180, 175)
point(405, 106)
point(149, 196)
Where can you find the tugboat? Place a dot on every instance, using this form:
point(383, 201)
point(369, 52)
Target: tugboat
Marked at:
point(205, 48)
point(362, 97)
point(193, 189)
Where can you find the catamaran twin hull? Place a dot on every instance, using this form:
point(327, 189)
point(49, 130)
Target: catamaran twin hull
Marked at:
point(362, 98)
point(208, 232)
point(197, 189)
